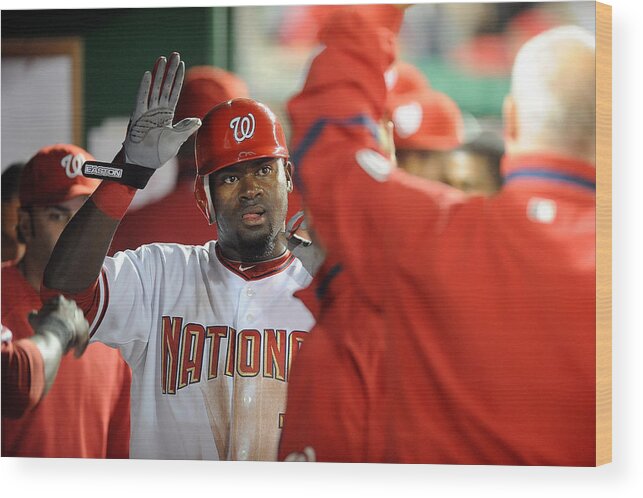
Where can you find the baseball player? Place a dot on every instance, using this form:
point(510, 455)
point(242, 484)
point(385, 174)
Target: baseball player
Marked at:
point(427, 126)
point(457, 329)
point(210, 331)
point(12, 248)
point(203, 88)
point(86, 412)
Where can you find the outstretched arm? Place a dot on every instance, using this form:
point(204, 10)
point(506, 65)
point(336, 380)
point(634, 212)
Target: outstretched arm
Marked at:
point(150, 142)
point(78, 256)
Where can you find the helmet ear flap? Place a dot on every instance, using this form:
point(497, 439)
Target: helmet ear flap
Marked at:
point(204, 197)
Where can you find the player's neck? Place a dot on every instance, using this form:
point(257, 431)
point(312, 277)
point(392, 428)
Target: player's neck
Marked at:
point(254, 254)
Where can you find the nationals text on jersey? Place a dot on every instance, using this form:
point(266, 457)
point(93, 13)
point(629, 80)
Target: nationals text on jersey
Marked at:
point(184, 346)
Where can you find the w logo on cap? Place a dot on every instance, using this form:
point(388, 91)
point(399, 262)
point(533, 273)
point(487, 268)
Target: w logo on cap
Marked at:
point(73, 165)
point(244, 127)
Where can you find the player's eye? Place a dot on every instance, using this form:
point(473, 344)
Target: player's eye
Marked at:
point(57, 216)
point(230, 179)
point(264, 171)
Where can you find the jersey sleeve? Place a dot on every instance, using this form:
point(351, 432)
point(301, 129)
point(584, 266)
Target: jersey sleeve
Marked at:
point(351, 190)
point(127, 295)
point(120, 305)
point(23, 377)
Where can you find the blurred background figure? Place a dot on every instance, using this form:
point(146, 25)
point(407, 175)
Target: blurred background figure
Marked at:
point(203, 88)
point(429, 132)
point(427, 126)
point(404, 78)
point(12, 248)
point(86, 413)
point(474, 167)
point(30, 365)
point(548, 112)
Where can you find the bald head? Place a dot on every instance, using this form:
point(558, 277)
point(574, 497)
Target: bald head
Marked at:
point(552, 106)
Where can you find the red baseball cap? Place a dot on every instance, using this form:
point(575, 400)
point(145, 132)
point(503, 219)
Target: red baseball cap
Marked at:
point(54, 175)
point(428, 120)
point(404, 78)
point(205, 87)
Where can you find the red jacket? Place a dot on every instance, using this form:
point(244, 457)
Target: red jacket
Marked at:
point(86, 412)
point(458, 329)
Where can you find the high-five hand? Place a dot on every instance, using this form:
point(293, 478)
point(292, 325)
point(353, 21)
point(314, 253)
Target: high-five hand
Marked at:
point(151, 138)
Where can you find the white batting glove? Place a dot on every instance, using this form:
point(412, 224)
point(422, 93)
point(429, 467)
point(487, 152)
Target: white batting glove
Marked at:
point(151, 139)
point(64, 319)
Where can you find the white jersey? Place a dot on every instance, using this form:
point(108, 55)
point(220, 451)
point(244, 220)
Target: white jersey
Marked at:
point(210, 344)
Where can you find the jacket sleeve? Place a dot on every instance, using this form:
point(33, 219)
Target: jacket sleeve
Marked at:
point(360, 205)
point(23, 377)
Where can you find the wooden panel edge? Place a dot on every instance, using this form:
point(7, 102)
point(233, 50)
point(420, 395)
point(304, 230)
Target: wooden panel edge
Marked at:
point(603, 233)
point(72, 46)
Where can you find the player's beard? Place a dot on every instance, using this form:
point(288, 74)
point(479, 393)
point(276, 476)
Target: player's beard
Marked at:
point(257, 246)
point(251, 245)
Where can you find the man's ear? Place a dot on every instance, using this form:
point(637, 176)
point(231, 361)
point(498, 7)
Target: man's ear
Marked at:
point(510, 118)
point(24, 229)
point(288, 170)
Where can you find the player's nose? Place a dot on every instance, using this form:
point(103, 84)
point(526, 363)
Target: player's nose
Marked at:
point(250, 188)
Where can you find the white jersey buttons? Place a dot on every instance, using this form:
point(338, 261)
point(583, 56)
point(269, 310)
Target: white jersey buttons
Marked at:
point(250, 292)
point(250, 317)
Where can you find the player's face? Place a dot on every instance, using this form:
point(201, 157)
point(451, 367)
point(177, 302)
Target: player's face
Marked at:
point(471, 173)
point(250, 201)
point(41, 226)
point(425, 164)
point(11, 247)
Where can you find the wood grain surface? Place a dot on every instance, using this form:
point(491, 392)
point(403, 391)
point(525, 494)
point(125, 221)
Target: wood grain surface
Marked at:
point(603, 233)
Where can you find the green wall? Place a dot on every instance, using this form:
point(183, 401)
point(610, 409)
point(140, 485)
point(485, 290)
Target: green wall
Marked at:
point(120, 44)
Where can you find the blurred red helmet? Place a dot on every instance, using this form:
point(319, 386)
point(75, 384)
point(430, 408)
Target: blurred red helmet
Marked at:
point(232, 132)
point(404, 78)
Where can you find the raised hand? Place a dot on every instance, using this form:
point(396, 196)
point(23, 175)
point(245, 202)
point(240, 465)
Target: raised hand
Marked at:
point(151, 139)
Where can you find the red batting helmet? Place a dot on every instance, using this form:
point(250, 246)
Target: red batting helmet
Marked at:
point(232, 132)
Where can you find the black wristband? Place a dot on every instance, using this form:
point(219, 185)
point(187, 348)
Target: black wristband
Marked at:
point(128, 174)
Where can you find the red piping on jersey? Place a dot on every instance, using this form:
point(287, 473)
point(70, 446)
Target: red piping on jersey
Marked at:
point(259, 270)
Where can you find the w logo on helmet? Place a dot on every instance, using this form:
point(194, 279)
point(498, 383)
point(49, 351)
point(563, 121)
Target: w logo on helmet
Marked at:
point(73, 165)
point(244, 127)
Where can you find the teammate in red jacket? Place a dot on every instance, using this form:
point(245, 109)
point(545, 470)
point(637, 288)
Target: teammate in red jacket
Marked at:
point(86, 412)
point(451, 329)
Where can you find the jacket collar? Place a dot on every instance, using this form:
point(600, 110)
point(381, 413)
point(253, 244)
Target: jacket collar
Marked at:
point(548, 167)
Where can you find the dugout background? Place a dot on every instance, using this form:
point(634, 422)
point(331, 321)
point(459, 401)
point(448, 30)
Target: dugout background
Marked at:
point(465, 49)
